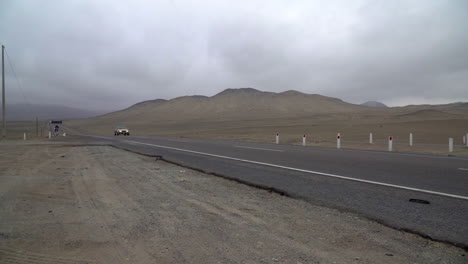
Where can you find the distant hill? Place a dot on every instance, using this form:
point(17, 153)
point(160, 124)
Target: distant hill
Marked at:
point(248, 111)
point(250, 104)
point(235, 104)
point(134, 110)
point(429, 114)
point(149, 102)
point(26, 112)
point(374, 104)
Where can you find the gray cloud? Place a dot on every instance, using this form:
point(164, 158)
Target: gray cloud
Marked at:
point(111, 54)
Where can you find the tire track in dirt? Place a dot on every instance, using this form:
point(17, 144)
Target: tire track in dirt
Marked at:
point(126, 209)
point(33, 165)
point(9, 255)
point(86, 188)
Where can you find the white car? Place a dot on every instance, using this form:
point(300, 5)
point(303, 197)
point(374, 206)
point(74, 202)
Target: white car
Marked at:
point(121, 130)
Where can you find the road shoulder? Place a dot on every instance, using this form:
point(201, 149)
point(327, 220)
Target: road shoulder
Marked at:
point(98, 204)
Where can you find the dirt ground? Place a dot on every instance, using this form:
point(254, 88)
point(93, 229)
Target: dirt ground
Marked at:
point(98, 204)
point(16, 129)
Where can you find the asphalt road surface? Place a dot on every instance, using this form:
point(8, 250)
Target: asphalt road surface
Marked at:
point(422, 194)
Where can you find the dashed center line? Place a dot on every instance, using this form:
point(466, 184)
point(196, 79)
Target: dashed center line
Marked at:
point(463, 169)
point(277, 150)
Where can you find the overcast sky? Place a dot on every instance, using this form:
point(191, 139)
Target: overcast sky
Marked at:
point(109, 54)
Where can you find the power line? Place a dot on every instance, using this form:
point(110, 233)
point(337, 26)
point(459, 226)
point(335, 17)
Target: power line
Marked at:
point(20, 85)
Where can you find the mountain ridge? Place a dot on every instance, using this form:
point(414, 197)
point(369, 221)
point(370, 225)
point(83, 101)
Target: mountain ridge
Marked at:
point(252, 104)
point(374, 104)
point(245, 103)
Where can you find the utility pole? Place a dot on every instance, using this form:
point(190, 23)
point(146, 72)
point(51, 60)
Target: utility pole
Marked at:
point(37, 127)
point(3, 93)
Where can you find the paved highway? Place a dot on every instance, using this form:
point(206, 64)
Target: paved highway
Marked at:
point(375, 185)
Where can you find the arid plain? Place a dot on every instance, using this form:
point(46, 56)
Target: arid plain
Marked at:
point(251, 115)
point(68, 200)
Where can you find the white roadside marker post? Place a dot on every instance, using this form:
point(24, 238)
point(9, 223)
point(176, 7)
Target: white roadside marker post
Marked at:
point(390, 143)
point(277, 138)
point(464, 139)
point(450, 144)
point(24, 136)
point(338, 141)
point(304, 140)
point(370, 138)
point(50, 134)
point(411, 139)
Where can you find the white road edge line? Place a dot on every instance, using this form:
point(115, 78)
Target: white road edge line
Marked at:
point(259, 148)
point(307, 171)
point(463, 169)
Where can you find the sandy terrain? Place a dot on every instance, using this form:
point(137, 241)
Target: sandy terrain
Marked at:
point(252, 115)
point(15, 130)
point(97, 204)
point(429, 136)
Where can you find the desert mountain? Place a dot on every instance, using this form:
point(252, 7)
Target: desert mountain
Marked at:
point(247, 105)
point(241, 113)
point(27, 112)
point(374, 104)
point(236, 104)
point(135, 110)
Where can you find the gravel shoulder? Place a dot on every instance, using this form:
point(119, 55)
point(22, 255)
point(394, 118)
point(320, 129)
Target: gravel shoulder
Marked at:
point(98, 204)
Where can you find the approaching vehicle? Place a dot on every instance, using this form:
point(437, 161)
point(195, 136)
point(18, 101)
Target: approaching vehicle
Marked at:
point(121, 130)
